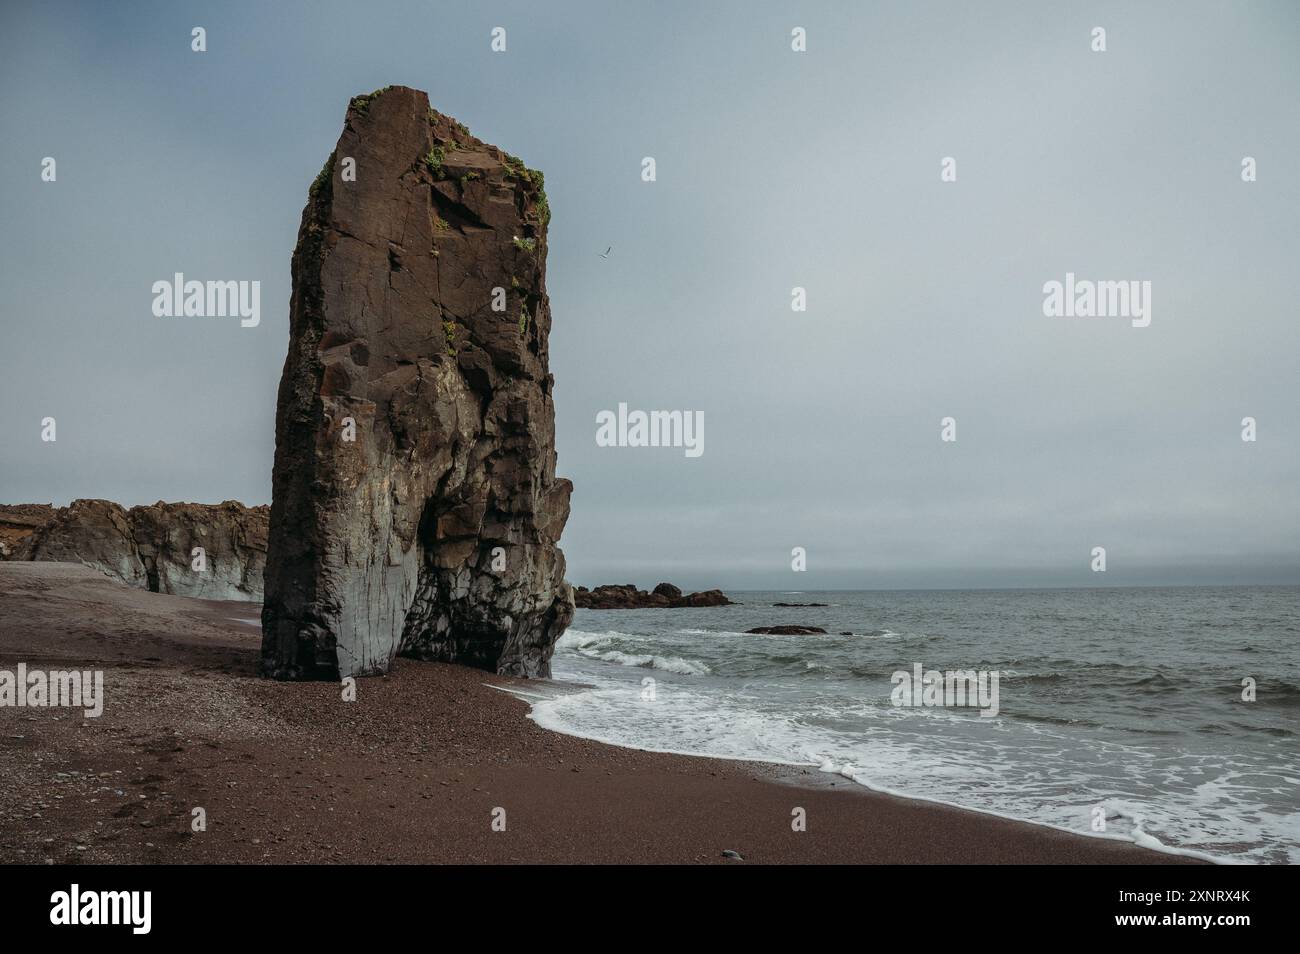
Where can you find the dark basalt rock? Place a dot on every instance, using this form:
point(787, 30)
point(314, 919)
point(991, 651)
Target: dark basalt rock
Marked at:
point(704, 598)
point(433, 532)
point(787, 631)
point(150, 547)
point(627, 596)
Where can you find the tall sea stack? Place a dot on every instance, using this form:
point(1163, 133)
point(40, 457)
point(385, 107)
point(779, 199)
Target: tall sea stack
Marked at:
point(415, 506)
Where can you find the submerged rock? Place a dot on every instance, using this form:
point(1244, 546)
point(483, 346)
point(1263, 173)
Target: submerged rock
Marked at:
point(415, 506)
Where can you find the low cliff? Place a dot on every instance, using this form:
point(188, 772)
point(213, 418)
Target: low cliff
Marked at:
point(211, 551)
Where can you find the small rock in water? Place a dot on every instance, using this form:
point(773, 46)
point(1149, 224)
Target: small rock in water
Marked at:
point(627, 596)
point(734, 855)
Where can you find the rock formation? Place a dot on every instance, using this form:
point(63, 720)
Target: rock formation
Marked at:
point(627, 596)
point(17, 524)
point(149, 547)
point(415, 507)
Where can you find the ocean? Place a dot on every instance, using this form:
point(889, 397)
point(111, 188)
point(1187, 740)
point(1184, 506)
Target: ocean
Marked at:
point(1117, 709)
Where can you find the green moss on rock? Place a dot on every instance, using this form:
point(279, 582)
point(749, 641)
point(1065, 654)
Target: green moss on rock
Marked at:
point(362, 103)
point(433, 161)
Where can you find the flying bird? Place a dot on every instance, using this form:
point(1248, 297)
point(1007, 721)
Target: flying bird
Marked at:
point(605, 254)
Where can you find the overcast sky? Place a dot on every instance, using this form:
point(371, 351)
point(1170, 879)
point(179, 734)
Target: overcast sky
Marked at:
point(775, 169)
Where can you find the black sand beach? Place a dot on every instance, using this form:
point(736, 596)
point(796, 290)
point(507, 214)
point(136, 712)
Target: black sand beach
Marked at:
point(411, 772)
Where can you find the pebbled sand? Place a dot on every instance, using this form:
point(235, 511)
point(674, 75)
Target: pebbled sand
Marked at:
point(409, 773)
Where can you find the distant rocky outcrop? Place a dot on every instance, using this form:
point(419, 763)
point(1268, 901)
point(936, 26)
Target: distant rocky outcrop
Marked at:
point(415, 507)
point(787, 631)
point(627, 596)
point(150, 547)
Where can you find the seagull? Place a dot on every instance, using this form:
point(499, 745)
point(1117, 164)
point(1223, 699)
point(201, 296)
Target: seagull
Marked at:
point(605, 254)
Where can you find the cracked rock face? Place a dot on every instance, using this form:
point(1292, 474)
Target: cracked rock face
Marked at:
point(151, 547)
point(415, 507)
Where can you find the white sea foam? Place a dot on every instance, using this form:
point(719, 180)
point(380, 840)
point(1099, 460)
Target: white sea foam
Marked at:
point(597, 646)
point(684, 667)
point(689, 723)
point(684, 720)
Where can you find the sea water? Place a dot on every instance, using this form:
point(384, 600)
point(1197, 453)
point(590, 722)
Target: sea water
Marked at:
point(1121, 711)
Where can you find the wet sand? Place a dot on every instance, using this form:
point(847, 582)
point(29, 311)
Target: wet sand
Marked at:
point(413, 771)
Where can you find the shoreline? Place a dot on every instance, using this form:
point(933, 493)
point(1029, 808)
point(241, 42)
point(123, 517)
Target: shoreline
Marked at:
point(416, 770)
point(809, 775)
